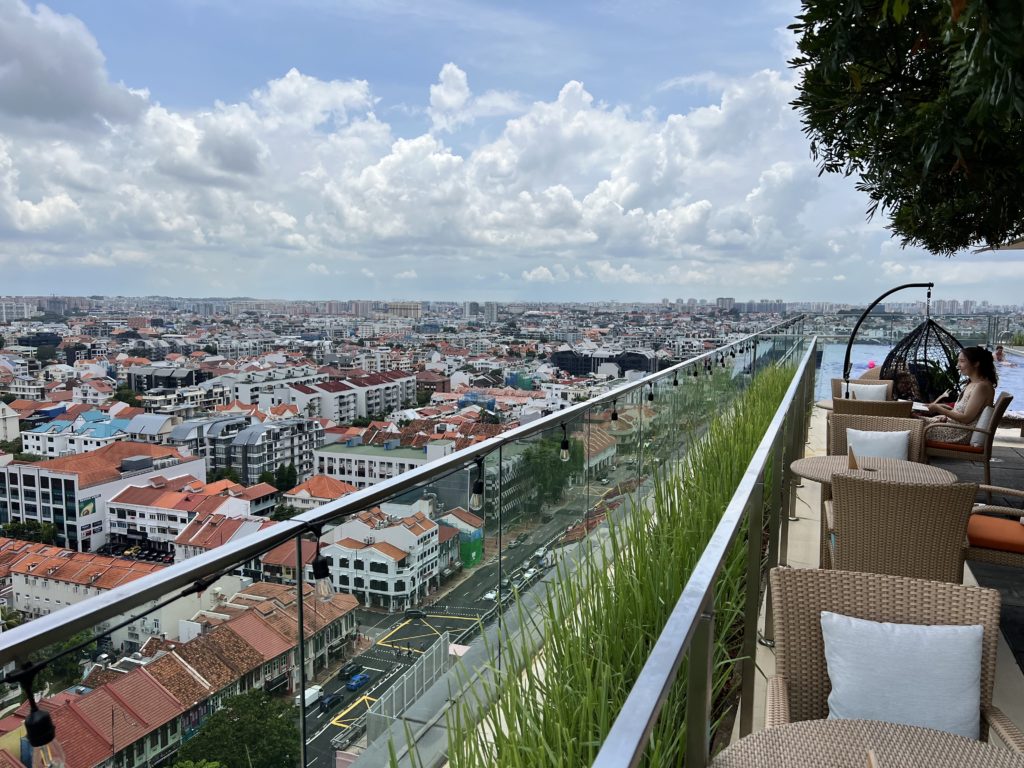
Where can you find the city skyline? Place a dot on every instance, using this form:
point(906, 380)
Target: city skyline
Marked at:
point(508, 154)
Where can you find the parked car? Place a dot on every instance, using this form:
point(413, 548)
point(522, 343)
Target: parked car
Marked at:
point(530, 573)
point(492, 595)
point(522, 537)
point(513, 544)
point(349, 669)
point(415, 613)
point(540, 552)
point(357, 681)
point(604, 481)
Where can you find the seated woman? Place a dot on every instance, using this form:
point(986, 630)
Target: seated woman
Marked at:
point(977, 365)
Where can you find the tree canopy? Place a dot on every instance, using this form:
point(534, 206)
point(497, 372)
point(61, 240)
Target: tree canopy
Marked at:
point(265, 725)
point(922, 99)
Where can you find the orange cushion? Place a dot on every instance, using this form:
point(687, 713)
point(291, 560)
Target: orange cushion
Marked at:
point(965, 447)
point(1000, 533)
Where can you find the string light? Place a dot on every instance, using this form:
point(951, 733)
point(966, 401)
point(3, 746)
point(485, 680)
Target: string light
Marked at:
point(321, 570)
point(563, 454)
point(650, 392)
point(476, 498)
point(675, 379)
point(615, 413)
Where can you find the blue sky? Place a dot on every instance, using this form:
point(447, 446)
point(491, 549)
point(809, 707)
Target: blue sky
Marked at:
point(443, 150)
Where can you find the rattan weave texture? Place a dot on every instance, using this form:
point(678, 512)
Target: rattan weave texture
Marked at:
point(801, 595)
point(844, 744)
point(903, 529)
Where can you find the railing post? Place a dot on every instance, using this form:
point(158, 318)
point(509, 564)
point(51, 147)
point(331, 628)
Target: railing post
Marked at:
point(751, 605)
point(300, 581)
point(698, 687)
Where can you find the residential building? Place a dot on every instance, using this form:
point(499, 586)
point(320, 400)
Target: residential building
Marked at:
point(186, 402)
point(385, 561)
point(89, 431)
point(233, 442)
point(365, 465)
point(156, 513)
point(93, 391)
point(316, 491)
point(8, 423)
point(145, 378)
point(72, 492)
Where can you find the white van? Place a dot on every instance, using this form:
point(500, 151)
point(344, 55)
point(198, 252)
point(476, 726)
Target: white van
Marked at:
point(313, 694)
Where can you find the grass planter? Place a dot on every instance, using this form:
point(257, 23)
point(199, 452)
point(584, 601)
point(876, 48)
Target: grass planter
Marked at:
point(600, 622)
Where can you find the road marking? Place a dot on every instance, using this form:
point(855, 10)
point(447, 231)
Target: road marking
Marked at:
point(404, 624)
point(339, 719)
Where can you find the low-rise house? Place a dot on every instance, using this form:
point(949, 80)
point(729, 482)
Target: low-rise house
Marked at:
point(471, 534)
point(316, 491)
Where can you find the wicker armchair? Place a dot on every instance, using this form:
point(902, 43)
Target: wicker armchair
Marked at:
point(881, 526)
point(837, 387)
point(799, 690)
point(994, 533)
point(897, 409)
point(843, 421)
point(980, 448)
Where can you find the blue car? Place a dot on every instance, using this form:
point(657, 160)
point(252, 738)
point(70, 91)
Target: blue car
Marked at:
point(357, 682)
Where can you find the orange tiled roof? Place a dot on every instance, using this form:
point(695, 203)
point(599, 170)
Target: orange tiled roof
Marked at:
point(103, 464)
point(323, 487)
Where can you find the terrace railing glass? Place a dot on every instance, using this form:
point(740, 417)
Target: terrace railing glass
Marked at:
point(542, 516)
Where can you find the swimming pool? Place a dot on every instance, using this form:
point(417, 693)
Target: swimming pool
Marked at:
point(1011, 373)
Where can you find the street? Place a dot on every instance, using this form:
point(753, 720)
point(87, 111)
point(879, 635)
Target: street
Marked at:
point(399, 640)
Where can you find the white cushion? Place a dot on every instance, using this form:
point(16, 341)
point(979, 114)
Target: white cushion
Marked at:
point(883, 445)
point(928, 676)
point(868, 391)
point(977, 438)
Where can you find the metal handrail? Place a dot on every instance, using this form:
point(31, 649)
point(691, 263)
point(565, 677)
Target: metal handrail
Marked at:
point(624, 745)
point(16, 644)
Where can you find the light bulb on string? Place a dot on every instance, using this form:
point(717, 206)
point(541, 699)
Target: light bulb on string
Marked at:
point(563, 452)
point(476, 498)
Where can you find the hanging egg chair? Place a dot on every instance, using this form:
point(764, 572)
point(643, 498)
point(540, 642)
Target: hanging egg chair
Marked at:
point(922, 365)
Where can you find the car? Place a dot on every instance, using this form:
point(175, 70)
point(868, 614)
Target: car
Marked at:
point(357, 681)
point(506, 582)
point(492, 595)
point(604, 481)
point(348, 670)
point(530, 573)
point(540, 552)
point(522, 537)
point(513, 544)
point(329, 701)
point(518, 584)
point(415, 613)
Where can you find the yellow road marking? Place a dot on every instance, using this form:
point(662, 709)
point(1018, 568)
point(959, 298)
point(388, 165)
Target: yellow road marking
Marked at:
point(403, 638)
point(339, 719)
point(405, 623)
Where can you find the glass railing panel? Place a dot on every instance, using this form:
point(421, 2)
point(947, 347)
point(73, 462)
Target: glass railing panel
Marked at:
point(156, 683)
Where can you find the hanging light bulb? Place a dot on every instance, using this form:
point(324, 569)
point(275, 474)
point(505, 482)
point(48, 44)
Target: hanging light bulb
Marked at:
point(650, 393)
point(696, 373)
point(476, 498)
point(563, 453)
point(732, 352)
point(42, 735)
point(615, 413)
point(322, 573)
point(675, 379)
